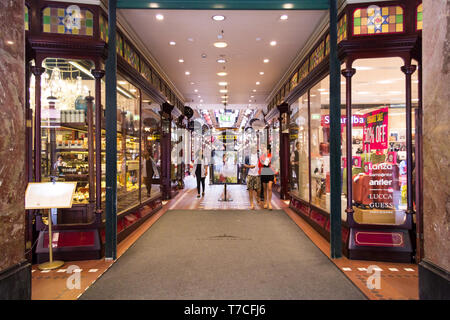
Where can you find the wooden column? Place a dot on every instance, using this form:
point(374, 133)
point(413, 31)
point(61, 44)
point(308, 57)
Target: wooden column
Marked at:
point(348, 74)
point(90, 121)
point(98, 74)
point(37, 72)
point(166, 147)
point(408, 70)
point(284, 152)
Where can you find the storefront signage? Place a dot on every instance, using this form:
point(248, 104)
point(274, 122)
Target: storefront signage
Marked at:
point(376, 130)
point(357, 120)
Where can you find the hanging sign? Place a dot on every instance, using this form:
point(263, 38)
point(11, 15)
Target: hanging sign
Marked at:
point(376, 129)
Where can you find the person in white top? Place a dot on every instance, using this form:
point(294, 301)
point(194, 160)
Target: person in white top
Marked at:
point(253, 179)
point(200, 172)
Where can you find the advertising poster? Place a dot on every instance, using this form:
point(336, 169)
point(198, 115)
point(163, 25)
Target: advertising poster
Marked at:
point(224, 167)
point(376, 130)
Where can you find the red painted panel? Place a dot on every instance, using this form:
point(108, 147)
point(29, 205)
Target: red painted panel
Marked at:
point(318, 218)
point(379, 239)
point(71, 239)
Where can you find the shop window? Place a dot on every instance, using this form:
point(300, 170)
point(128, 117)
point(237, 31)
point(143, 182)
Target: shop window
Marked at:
point(70, 20)
point(64, 131)
point(128, 144)
point(274, 141)
point(151, 149)
point(379, 141)
point(378, 20)
point(299, 148)
point(419, 17)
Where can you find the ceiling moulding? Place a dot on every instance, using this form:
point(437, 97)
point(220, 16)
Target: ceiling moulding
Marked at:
point(219, 106)
point(91, 2)
point(126, 29)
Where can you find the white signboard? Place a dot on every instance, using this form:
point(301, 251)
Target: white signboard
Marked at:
point(46, 195)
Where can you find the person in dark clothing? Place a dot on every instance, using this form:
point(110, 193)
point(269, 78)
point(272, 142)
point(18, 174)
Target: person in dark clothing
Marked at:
point(201, 171)
point(148, 172)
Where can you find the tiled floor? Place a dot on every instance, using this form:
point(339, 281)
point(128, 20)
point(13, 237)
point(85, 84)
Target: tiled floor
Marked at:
point(398, 281)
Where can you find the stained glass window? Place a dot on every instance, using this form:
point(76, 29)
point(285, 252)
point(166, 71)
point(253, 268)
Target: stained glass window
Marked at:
point(131, 56)
point(27, 23)
point(119, 45)
point(317, 56)
point(145, 71)
point(103, 29)
point(71, 20)
point(419, 24)
point(374, 19)
point(327, 45)
point(294, 80)
point(303, 72)
point(342, 28)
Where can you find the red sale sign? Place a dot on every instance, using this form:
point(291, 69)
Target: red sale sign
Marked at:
point(376, 129)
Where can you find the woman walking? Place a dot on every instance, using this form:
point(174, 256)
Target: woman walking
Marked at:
point(267, 176)
point(201, 171)
point(253, 179)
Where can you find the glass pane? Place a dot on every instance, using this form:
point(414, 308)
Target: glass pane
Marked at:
point(151, 149)
point(299, 148)
point(320, 147)
point(379, 171)
point(128, 159)
point(64, 131)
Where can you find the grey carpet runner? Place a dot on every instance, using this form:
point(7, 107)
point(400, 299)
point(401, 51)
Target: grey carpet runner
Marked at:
point(236, 254)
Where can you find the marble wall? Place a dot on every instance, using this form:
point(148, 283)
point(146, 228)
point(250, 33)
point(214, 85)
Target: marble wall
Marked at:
point(12, 133)
point(436, 133)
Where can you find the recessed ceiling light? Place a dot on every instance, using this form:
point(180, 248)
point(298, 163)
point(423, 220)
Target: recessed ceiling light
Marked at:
point(266, 60)
point(153, 5)
point(195, 90)
point(223, 83)
point(180, 60)
point(261, 73)
point(249, 100)
point(258, 39)
point(220, 44)
point(252, 96)
point(201, 100)
point(172, 43)
point(254, 90)
point(284, 17)
point(159, 17)
point(218, 18)
point(10, 42)
point(222, 74)
point(288, 6)
point(221, 60)
point(273, 43)
point(223, 91)
point(192, 82)
point(258, 83)
point(224, 97)
point(187, 73)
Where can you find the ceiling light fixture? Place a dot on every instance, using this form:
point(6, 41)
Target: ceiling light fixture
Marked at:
point(195, 90)
point(266, 60)
point(220, 44)
point(221, 60)
point(180, 60)
point(288, 6)
point(187, 73)
point(223, 83)
point(172, 43)
point(218, 18)
point(273, 43)
point(223, 90)
point(159, 17)
point(284, 17)
point(261, 73)
point(222, 74)
point(254, 90)
point(258, 83)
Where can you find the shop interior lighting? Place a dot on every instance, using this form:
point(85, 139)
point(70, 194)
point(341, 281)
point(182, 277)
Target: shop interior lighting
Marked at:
point(284, 17)
point(82, 69)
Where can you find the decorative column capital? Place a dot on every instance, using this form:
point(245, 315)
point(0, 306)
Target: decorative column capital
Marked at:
point(348, 72)
point(98, 74)
point(409, 69)
point(37, 71)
